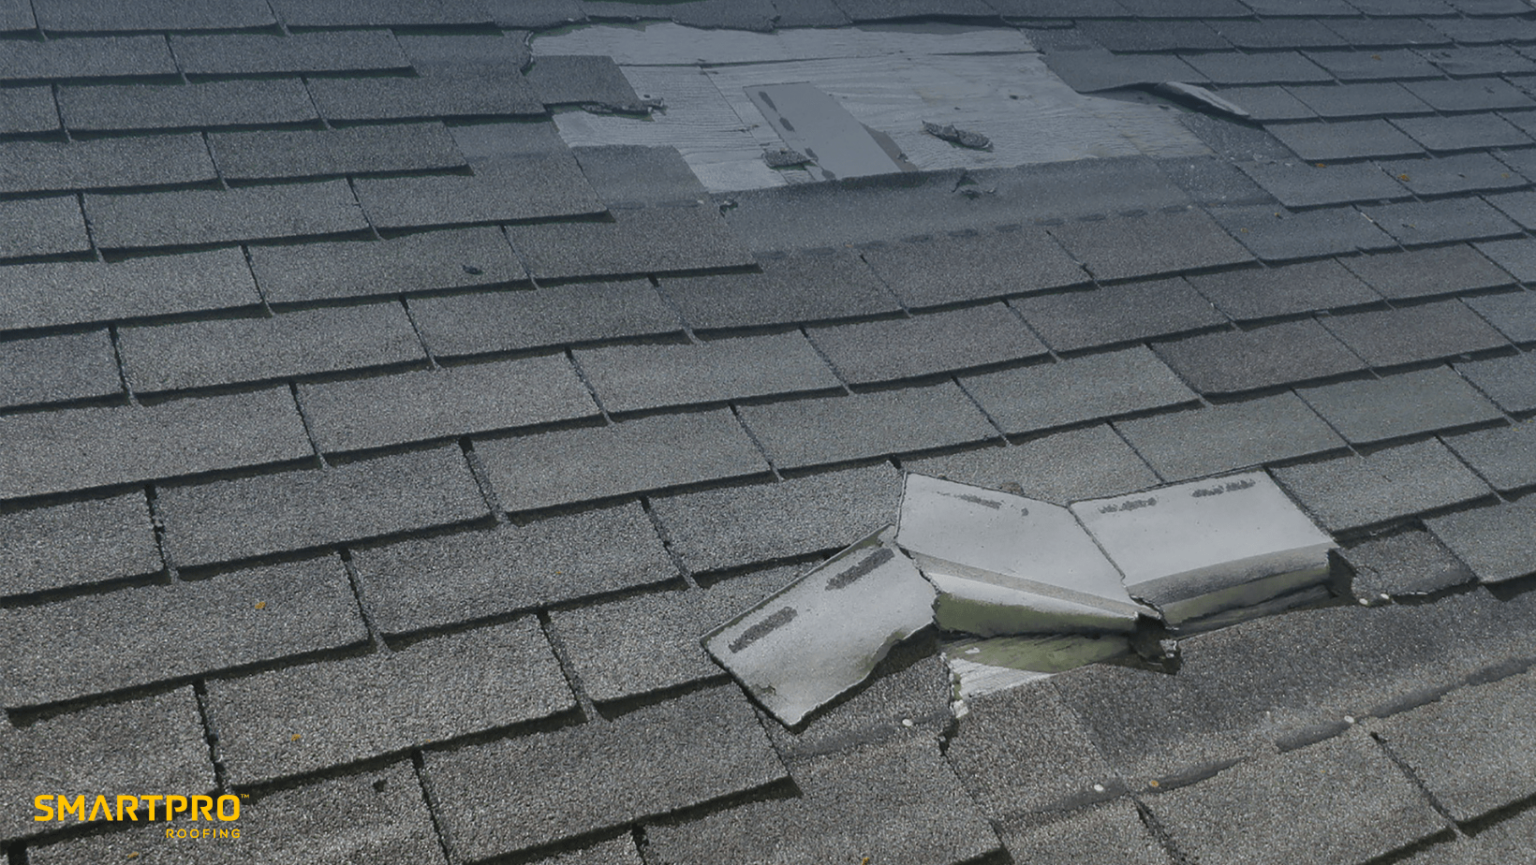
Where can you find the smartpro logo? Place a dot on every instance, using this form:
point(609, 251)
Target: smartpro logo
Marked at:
point(224, 809)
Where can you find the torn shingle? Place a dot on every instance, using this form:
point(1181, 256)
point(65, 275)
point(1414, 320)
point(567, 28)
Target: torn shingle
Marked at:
point(1132, 312)
point(1498, 543)
point(1410, 562)
point(1356, 492)
point(1059, 468)
point(805, 286)
point(1191, 444)
point(196, 216)
point(1280, 354)
point(80, 543)
point(1246, 295)
point(1444, 329)
point(94, 644)
point(1081, 389)
point(1410, 403)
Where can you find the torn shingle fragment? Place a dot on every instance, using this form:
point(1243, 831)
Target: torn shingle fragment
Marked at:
point(1205, 547)
point(800, 648)
point(1004, 564)
point(986, 666)
point(1200, 98)
point(963, 137)
point(785, 157)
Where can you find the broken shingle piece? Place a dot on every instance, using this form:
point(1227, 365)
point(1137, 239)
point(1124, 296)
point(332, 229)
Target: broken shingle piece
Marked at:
point(1207, 546)
point(1004, 564)
point(799, 649)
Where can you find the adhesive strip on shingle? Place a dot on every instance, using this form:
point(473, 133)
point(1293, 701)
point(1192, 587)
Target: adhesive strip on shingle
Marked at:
point(800, 648)
point(1203, 547)
point(1005, 564)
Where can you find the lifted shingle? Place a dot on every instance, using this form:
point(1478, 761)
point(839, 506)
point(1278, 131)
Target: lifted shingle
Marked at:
point(457, 258)
point(1072, 391)
point(1514, 314)
point(200, 216)
point(1361, 100)
point(1283, 67)
point(1462, 132)
point(1440, 330)
point(1060, 468)
point(1350, 139)
point(1394, 65)
point(1273, 356)
point(1410, 403)
point(381, 13)
point(1084, 836)
point(77, 544)
point(440, 94)
point(1467, 172)
point(1355, 492)
point(28, 109)
point(529, 186)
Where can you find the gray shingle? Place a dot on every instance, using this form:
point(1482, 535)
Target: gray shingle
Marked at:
point(1093, 69)
point(1272, 356)
point(1072, 391)
point(79, 543)
point(445, 403)
point(1428, 272)
point(1440, 330)
point(1153, 244)
point(1287, 805)
point(17, 15)
point(1519, 206)
point(220, 215)
point(1514, 314)
point(575, 80)
point(648, 240)
point(1296, 33)
point(95, 644)
point(369, 819)
point(316, 153)
point(1355, 492)
point(1480, 60)
point(1253, 294)
point(1085, 837)
point(1508, 381)
point(1399, 64)
point(1267, 103)
point(1505, 841)
point(1131, 312)
point(1482, 94)
point(1277, 235)
point(1415, 222)
point(458, 258)
point(41, 166)
point(1410, 403)
point(61, 293)
point(737, 526)
point(1306, 185)
point(1186, 8)
point(529, 186)
point(418, 584)
point(951, 269)
point(875, 10)
point(42, 226)
point(156, 741)
point(926, 344)
point(1490, 765)
point(439, 94)
point(299, 719)
point(1193, 444)
point(1462, 132)
point(1281, 67)
point(1378, 32)
point(1485, 31)
point(1145, 35)
point(1468, 172)
point(833, 429)
point(1498, 543)
point(626, 175)
point(262, 54)
point(651, 453)
point(1398, 8)
point(501, 797)
point(495, 321)
point(86, 15)
point(1349, 139)
point(235, 519)
point(58, 368)
point(650, 642)
point(92, 447)
point(628, 378)
point(539, 14)
point(868, 800)
point(1518, 256)
point(181, 106)
point(28, 109)
point(1213, 180)
point(1409, 562)
point(1505, 456)
point(101, 57)
point(805, 286)
point(1371, 99)
point(382, 13)
point(1077, 464)
point(224, 351)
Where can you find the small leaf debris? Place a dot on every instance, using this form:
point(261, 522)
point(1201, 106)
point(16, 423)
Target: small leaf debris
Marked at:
point(261, 605)
point(964, 138)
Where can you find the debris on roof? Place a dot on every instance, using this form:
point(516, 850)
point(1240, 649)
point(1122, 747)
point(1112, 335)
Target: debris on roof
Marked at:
point(954, 135)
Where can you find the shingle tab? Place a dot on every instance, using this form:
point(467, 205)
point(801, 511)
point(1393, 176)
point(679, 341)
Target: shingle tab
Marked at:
point(1399, 64)
point(1268, 102)
point(100, 57)
point(648, 240)
point(1077, 464)
point(1408, 562)
point(629, 378)
point(533, 186)
point(299, 719)
point(737, 526)
point(236, 519)
point(381, 13)
point(1278, 235)
point(182, 106)
point(1505, 456)
point(1082, 389)
point(1187, 445)
point(833, 429)
point(1410, 403)
point(1519, 206)
point(1508, 381)
point(458, 258)
point(88, 15)
point(84, 542)
point(1355, 492)
point(42, 166)
point(318, 153)
point(630, 175)
point(807, 286)
point(1296, 33)
point(577, 80)
point(42, 226)
point(1414, 222)
point(1441, 330)
point(225, 351)
point(951, 269)
point(1514, 314)
point(1462, 132)
point(91, 447)
point(1084, 836)
point(1482, 94)
point(1265, 357)
point(95, 644)
point(1280, 67)
point(926, 344)
point(1518, 256)
point(28, 109)
point(262, 54)
point(442, 94)
point(188, 217)
point(501, 797)
point(1287, 805)
point(577, 465)
point(495, 321)
point(1156, 243)
point(1130, 312)
point(58, 368)
point(1498, 543)
point(1349, 139)
point(1467, 172)
point(156, 741)
point(1277, 291)
point(1361, 100)
point(1378, 32)
point(1480, 60)
point(62, 293)
point(425, 583)
point(1306, 185)
point(1150, 35)
point(1428, 272)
